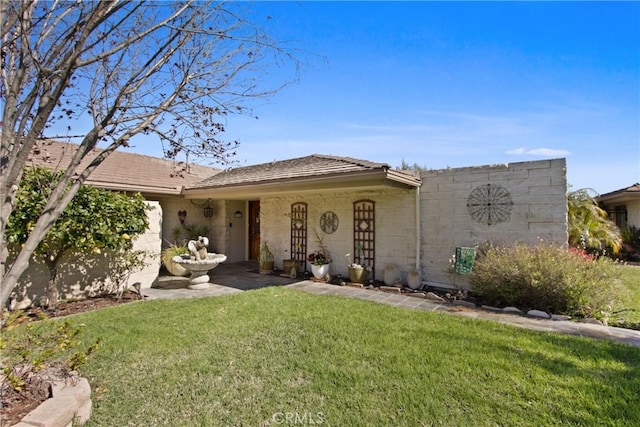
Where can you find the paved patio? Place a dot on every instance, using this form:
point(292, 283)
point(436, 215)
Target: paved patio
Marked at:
point(227, 278)
point(238, 277)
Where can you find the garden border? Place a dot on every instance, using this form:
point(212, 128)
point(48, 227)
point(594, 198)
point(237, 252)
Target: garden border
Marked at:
point(69, 405)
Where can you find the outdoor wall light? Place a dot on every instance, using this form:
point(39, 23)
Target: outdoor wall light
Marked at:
point(238, 214)
point(207, 210)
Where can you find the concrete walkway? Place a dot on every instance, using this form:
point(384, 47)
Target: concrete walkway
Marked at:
point(238, 277)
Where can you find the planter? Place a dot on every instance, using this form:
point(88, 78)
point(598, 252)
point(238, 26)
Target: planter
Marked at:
point(265, 259)
point(358, 274)
point(266, 267)
point(288, 264)
point(320, 272)
point(176, 269)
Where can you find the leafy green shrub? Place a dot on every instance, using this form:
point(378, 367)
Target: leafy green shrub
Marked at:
point(549, 278)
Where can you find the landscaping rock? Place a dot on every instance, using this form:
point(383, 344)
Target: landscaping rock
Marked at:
point(464, 303)
point(434, 297)
point(490, 308)
point(416, 294)
point(391, 289)
point(539, 314)
point(560, 317)
point(392, 276)
point(354, 285)
point(514, 310)
point(413, 279)
point(71, 400)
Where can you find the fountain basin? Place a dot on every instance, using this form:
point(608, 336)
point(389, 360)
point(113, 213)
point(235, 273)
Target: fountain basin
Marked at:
point(199, 279)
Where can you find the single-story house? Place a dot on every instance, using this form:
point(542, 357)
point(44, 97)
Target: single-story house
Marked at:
point(364, 211)
point(622, 206)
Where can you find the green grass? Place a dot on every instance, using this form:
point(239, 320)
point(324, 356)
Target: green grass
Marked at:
point(629, 314)
point(252, 358)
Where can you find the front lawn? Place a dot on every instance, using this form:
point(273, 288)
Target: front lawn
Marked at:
point(259, 357)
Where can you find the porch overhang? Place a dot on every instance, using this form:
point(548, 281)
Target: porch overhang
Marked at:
point(362, 180)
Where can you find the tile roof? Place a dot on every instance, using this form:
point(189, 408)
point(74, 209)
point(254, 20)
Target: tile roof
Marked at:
point(124, 171)
point(315, 165)
point(628, 193)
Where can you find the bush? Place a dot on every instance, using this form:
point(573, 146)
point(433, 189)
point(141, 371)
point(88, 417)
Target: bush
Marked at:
point(35, 355)
point(549, 278)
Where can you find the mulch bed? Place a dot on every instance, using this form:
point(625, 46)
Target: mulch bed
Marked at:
point(14, 406)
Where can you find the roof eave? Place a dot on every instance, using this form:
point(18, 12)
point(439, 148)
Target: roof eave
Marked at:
point(377, 178)
point(623, 196)
point(174, 191)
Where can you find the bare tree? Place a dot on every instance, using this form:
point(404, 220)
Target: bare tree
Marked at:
point(117, 69)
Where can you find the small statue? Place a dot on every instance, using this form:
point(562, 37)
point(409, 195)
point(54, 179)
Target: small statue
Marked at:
point(198, 248)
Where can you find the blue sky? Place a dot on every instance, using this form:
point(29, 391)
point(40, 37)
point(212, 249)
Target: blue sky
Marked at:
point(452, 84)
point(456, 84)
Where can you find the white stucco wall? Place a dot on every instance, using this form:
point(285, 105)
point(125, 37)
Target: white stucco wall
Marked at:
point(538, 190)
point(395, 226)
point(175, 232)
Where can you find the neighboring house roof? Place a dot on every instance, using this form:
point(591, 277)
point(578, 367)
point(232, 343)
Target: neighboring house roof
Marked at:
point(305, 173)
point(124, 171)
point(622, 195)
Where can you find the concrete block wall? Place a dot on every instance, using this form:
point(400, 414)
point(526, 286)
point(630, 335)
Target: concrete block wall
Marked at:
point(538, 190)
point(151, 244)
point(395, 226)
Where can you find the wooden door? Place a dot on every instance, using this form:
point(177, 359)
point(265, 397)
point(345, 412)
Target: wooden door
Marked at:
point(254, 230)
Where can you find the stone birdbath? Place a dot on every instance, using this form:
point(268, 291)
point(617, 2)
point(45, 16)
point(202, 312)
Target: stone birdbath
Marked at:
point(199, 262)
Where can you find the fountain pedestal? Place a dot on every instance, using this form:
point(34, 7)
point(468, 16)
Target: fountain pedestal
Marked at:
point(199, 263)
point(199, 279)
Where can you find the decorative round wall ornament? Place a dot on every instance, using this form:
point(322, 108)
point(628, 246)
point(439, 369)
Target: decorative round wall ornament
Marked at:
point(329, 222)
point(490, 204)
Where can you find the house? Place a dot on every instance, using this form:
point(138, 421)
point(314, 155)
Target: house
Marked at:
point(622, 206)
point(359, 210)
point(381, 216)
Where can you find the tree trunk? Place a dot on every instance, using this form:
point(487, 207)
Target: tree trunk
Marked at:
point(52, 284)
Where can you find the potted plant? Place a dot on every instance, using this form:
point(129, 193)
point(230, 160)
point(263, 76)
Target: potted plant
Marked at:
point(266, 259)
point(319, 261)
point(172, 267)
point(357, 272)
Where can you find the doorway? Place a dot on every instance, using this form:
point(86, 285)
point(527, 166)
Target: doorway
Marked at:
point(254, 230)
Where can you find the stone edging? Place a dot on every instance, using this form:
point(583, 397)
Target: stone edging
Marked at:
point(70, 405)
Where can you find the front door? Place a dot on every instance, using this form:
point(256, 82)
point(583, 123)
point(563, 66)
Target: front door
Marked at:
point(254, 230)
